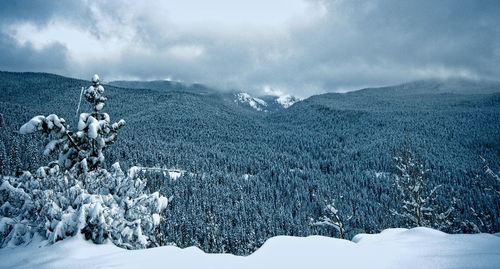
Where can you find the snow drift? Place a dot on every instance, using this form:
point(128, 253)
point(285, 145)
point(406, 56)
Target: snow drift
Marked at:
point(393, 248)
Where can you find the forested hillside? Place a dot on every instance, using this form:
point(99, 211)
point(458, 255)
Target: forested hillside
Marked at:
point(248, 175)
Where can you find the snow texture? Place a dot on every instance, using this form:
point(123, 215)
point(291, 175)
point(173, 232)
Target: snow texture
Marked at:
point(393, 248)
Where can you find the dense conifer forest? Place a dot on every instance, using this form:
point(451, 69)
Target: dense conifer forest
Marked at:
point(248, 175)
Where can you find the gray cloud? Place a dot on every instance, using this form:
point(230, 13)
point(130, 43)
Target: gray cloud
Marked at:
point(329, 46)
point(26, 58)
point(41, 11)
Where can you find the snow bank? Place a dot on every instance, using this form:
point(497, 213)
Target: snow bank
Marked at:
point(393, 248)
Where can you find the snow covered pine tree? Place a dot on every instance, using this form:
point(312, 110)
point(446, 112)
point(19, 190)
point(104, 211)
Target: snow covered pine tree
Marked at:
point(418, 204)
point(492, 178)
point(75, 194)
point(82, 150)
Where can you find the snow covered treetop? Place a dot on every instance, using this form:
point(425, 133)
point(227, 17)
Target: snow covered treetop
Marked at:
point(95, 79)
point(95, 94)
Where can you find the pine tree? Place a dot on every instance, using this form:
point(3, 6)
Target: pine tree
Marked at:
point(492, 179)
point(83, 149)
point(417, 202)
point(81, 197)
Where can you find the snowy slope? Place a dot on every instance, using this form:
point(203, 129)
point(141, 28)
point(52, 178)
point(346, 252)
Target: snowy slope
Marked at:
point(393, 248)
point(437, 86)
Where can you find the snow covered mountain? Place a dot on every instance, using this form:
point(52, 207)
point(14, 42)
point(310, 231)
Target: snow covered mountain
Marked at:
point(287, 100)
point(265, 103)
point(254, 102)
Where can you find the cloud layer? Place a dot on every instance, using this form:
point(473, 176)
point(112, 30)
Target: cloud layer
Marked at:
point(299, 47)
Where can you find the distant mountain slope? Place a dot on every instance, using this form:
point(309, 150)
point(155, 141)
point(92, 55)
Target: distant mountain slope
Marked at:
point(262, 103)
point(435, 86)
point(162, 85)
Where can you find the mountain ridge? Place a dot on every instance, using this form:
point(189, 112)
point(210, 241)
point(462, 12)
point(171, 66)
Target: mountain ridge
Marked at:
point(438, 86)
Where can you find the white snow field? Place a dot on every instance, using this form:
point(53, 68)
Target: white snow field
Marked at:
point(393, 248)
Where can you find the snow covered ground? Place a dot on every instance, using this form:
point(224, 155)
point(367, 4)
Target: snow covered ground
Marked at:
point(393, 248)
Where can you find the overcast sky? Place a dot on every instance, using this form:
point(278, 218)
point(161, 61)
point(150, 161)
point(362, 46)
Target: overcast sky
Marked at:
point(293, 46)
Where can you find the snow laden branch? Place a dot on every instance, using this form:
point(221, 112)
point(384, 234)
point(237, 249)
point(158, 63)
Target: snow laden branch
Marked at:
point(84, 148)
point(112, 207)
point(333, 219)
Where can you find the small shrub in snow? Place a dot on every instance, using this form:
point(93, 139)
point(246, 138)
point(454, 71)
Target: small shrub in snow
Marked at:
point(333, 219)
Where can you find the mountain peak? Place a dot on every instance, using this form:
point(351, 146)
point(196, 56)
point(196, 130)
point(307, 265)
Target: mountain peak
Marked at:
point(287, 100)
point(266, 103)
point(254, 102)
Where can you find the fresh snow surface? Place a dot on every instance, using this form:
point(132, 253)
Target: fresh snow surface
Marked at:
point(393, 248)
